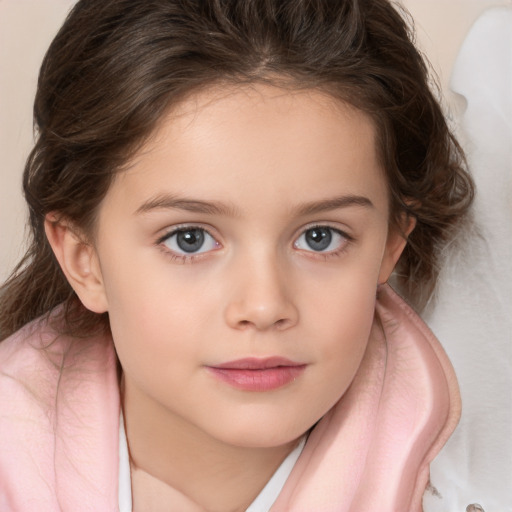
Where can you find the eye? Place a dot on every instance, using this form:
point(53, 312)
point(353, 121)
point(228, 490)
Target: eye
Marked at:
point(189, 241)
point(321, 239)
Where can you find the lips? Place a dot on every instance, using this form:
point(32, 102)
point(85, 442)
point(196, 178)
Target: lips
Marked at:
point(254, 374)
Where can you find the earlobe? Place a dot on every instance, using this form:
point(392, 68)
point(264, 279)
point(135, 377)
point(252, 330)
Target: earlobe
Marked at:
point(395, 244)
point(78, 261)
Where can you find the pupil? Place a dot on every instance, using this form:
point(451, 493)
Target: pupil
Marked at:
point(190, 240)
point(318, 239)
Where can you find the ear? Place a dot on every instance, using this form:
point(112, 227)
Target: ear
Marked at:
point(79, 262)
point(395, 244)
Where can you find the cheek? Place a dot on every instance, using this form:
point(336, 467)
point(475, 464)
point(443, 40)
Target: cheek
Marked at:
point(338, 338)
point(346, 328)
point(343, 297)
point(340, 319)
point(146, 314)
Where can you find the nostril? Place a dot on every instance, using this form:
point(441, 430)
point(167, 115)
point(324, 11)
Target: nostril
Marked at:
point(278, 324)
point(281, 323)
point(260, 312)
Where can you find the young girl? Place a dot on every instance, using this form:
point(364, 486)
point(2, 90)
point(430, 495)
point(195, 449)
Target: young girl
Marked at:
point(218, 194)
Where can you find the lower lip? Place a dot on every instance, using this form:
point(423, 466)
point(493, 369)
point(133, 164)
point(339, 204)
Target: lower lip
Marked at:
point(265, 379)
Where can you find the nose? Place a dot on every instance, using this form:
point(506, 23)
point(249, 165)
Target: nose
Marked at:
point(261, 297)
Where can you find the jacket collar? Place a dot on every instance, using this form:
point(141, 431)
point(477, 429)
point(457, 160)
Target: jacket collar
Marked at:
point(60, 423)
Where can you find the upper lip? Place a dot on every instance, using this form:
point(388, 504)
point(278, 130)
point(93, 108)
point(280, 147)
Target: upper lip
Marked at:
point(255, 363)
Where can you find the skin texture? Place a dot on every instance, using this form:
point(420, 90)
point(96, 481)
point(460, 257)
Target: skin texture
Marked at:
point(271, 164)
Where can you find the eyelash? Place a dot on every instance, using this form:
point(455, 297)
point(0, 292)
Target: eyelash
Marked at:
point(181, 258)
point(327, 255)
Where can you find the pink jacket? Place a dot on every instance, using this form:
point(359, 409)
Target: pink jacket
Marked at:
point(59, 423)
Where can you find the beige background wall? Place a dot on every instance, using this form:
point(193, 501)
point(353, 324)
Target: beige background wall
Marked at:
point(27, 26)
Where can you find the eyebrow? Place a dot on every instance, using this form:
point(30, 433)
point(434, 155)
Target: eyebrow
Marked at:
point(334, 204)
point(169, 201)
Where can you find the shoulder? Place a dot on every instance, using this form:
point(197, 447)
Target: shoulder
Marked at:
point(55, 392)
point(29, 365)
point(36, 360)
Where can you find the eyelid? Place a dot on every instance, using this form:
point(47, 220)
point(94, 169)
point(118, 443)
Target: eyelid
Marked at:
point(171, 230)
point(335, 226)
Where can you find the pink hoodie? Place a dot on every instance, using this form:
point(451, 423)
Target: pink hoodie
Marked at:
point(59, 423)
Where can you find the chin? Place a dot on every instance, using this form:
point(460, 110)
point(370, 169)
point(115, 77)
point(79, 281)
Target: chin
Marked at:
point(262, 435)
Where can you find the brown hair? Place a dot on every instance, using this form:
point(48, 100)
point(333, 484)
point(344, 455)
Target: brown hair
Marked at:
point(116, 66)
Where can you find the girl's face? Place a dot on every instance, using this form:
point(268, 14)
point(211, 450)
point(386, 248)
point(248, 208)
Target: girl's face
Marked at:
point(238, 258)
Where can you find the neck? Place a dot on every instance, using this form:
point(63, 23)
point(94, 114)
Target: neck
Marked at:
point(175, 462)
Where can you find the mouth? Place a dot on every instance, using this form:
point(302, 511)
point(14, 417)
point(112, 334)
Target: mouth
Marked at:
point(254, 374)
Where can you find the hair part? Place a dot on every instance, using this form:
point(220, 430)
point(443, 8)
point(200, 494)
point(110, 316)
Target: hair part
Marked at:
point(115, 68)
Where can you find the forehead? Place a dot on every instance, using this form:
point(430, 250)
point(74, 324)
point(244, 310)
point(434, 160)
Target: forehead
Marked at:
point(252, 143)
